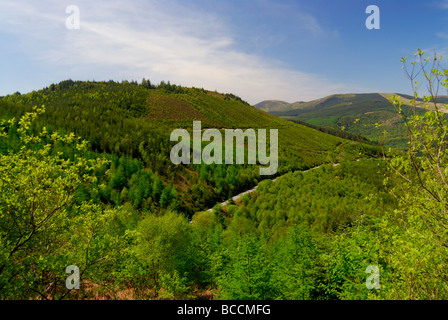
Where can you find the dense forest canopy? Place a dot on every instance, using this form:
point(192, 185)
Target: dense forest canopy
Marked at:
point(134, 121)
point(86, 180)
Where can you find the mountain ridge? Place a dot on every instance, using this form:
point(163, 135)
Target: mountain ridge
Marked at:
point(280, 105)
point(360, 114)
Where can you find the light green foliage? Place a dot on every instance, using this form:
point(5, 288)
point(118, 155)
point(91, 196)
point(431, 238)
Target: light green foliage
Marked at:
point(164, 248)
point(248, 274)
point(423, 191)
point(328, 199)
point(408, 243)
point(42, 229)
point(298, 271)
point(346, 257)
point(318, 230)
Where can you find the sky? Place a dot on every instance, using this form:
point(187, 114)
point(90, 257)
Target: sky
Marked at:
point(290, 50)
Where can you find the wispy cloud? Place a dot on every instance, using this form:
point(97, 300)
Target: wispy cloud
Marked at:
point(442, 35)
point(157, 40)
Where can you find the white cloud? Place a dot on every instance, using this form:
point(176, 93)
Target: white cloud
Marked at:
point(156, 40)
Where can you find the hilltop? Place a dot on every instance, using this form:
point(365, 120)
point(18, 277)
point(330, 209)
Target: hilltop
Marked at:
point(275, 105)
point(134, 120)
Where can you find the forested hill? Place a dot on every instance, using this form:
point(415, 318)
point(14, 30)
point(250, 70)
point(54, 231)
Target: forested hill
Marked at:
point(132, 121)
point(367, 114)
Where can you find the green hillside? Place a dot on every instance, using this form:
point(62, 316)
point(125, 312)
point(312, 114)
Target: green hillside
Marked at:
point(278, 105)
point(136, 226)
point(135, 120)
point(112, 202)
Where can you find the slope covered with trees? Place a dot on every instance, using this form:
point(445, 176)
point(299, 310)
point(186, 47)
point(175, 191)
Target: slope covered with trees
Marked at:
point(134, 121)
point(152, 251)
point(111, 204)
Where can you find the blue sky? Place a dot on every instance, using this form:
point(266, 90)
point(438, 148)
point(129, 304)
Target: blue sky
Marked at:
point(258, 49)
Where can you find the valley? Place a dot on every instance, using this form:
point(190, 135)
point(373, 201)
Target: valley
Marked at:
point(88, 179)
point(222, 158)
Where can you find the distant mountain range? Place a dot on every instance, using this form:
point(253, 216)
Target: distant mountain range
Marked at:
point(276, 105)
point(343, 110)
point(364, 99)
